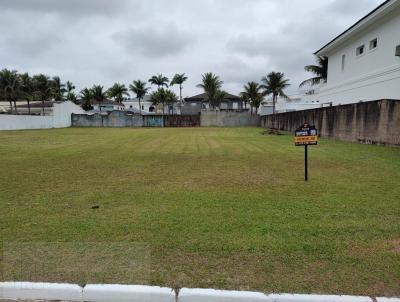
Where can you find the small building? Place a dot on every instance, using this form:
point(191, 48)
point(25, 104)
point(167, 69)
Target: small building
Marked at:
point(364, 60)
point(107, 105)
point(132, 104)
point(147, 107)
point(193, 105)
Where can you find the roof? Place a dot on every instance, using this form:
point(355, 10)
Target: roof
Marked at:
point(201, 97)
point(105, 102)
point(146, 98)
point(371, 17)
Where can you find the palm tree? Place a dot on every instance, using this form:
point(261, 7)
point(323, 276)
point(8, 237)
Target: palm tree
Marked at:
point(159, 80)
point(27, 89)
point(275, 83)
point(71, 96)
point(179, 79)
point(211, 84)
point(320, 71)
point(69, 86)
point(117, 92)
point(10, 86)
point(252, 93)
point(170, 99)
point(98, 94)
point(43, 89)
point(58, 89)
point(163, 96)
point(140, 90)
point(86, 99)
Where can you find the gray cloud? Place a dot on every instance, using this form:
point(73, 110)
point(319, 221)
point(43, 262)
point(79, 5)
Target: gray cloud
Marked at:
point(103, 41)
point(157, 41)
point(65, 7)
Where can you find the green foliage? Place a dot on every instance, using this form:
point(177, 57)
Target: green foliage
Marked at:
point(211, 85)
point(159, 80)
point(179, 79)
point(320, 71)
point(252, 94)
point(118, 92)
point(275, 84)
point(86, 96)
point(58, 89)
point(139, 89)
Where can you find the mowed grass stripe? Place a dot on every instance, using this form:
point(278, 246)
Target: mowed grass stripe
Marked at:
point(216, 207)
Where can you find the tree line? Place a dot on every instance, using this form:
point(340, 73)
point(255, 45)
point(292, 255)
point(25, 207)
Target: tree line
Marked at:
point(15, 87)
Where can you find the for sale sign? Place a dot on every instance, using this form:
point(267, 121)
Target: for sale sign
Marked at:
point(306, 135)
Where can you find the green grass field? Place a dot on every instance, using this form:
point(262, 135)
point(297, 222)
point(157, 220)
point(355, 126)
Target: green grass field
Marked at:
point(203, 207)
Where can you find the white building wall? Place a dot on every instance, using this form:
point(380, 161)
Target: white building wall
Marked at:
point(61, 118)
point(370, 76)
point(135, 105)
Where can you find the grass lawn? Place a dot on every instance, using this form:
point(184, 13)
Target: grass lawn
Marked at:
point(202, 207)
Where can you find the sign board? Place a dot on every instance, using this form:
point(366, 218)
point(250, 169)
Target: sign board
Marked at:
point(306, 135)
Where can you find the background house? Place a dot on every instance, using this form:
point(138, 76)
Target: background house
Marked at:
point(133, 105)
point(193, 105)
point(107, 105)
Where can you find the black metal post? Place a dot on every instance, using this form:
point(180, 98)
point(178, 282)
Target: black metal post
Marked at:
point(306, 163)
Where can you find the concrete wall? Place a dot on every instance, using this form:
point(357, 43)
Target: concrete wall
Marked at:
point(60, 118)
point(376, 122)
point(126, 119)
point(218, 118)
point(117, 119)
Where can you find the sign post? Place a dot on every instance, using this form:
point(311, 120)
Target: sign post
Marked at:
point(306, 135)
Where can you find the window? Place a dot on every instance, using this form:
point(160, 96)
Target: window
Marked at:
point(360, 50)
point(343, 61)
point(373, 44)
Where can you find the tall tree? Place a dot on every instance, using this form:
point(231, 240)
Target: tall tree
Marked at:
point(171, 99)
point(275, 84)
point(118, 92)
point(163, 96)
point(253, 94)
point(320, 71)
point(27, 89)
point(10, 87)
point(69, 86)
point(43, 89)
point(159, 80)
point(72, 97)
point(140, 90)
point(99, 95)
point(86, 97)
point(58, 88)
point(211, 84)
point(179, 79)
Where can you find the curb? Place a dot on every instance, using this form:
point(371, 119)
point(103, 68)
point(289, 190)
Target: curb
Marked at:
point(127, 293)
point(143, 293)
point(40, 291)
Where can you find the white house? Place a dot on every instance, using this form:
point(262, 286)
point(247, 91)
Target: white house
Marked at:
point(363, 64)
point(107, 105)
point(364, 60)
point(147, 107)
point(132, 104)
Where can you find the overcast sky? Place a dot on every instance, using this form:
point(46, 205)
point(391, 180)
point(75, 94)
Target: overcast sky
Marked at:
point(102, 41)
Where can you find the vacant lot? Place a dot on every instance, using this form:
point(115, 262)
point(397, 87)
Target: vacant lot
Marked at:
point(203, 207)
